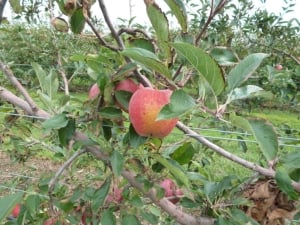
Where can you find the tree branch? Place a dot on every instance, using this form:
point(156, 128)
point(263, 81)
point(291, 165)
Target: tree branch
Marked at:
point(101, 40)
point(10, 97)
point(109, 24)
point(164, 203)
point(212, 14)
point(54, 179)
point(18, 86)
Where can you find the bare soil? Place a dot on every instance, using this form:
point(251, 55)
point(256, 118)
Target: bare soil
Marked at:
point(15, 175)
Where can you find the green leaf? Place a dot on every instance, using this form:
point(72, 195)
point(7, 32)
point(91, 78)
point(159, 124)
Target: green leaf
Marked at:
point(100, 195)
point(117, 162)
point(285, 184)
point(180, 104)
point(124, 70)
point(95, 62)
point(242, 218)
point(263, 132)
point(32, 204)
point(147, 59)
point(41, 75)
point(49, 83)
point(123, 98)
point(291, 160)
point(141, 43)
point(56, 122)
point(79, 57)
point(107, 126)
point(215, 189)
point(247, 91)
point(240, 122)
point(108, 218)
point(8, 202)
point(178, 9)
point(184, 153)
point(77, 21)
point(53, 84)
point(110, 113)
point(150, 217)
point(176, 170)
point(204, 64)
point(16, 7)
point(133, 139)
point(130, 219)
point(224, 56)
point(66, 133)
point(160, 24)
point(244, 70)
point(266, 137)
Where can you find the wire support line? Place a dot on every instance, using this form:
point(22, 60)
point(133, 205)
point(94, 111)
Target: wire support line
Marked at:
point(11, 174)
point(23, 191)
point(24, 115)
point(241, 140)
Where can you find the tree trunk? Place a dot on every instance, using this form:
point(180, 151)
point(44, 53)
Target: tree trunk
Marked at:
point(2, 5)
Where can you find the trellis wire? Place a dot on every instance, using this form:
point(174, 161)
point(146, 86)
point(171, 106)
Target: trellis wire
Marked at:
point(200, 129)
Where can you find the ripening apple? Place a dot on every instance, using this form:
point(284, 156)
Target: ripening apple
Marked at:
point(171, 191)
point(115, 195)
point(50, 221)
point(278, 67)
point(94, 91)
point(16, 211)
point(126, 85)
point(144, 107)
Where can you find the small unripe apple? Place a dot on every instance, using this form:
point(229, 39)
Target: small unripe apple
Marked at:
point(144, 107)
point(16, 211)
point(94, 91)
point(171, 191)
point(278, 67)
point(60, 24)
point(126, 85)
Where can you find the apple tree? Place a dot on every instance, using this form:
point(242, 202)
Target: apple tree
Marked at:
point(139, 128)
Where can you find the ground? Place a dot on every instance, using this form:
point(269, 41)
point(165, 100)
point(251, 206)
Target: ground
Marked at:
point(14, 174)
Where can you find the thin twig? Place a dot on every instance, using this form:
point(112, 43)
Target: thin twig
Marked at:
point(288, 54)
point(109, 24)
point(133, 32)
point(212, 14)
point(223, 152)
point(101, 40)
point(166, 205)
point(18, 85)
point(54, 179)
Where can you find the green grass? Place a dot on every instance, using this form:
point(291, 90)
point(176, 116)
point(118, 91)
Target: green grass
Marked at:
point(286, 124)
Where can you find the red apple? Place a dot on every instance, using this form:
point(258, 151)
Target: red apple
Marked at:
point(278, 67)
point(126, 85)
point(94, 91)
point(16, 211)
point(144, 107)
point(171, 191)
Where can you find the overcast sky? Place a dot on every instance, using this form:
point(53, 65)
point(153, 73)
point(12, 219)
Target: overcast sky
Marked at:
point(120, 8)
